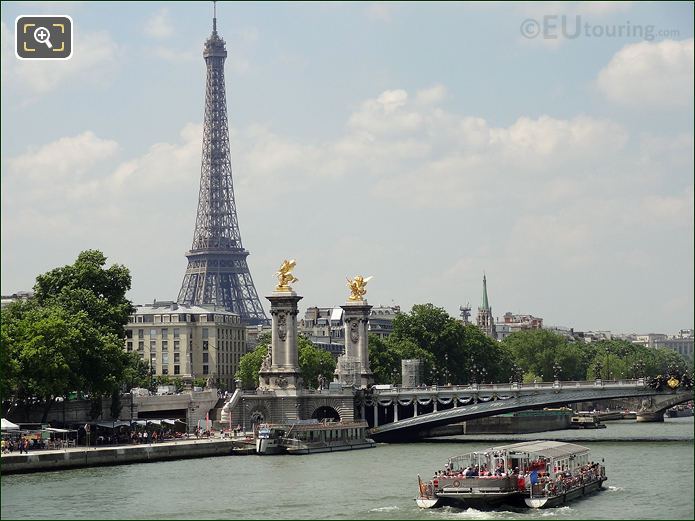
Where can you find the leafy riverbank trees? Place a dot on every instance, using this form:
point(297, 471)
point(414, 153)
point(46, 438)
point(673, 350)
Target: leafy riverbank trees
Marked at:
point(541, 354)
point(313, 362)
point(69, 335)
point(453, 353)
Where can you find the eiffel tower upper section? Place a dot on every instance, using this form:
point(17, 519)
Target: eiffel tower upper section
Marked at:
point(217, 272)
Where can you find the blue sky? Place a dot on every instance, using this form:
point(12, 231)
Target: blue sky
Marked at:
point(419, 143)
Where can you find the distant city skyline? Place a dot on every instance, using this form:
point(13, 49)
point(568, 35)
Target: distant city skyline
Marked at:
point(422, 144)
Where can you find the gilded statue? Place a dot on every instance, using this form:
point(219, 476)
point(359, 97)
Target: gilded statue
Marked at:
point(284, 275)
point(358, 287)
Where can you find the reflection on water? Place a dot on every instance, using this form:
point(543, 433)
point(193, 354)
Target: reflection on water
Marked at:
point(378, 483)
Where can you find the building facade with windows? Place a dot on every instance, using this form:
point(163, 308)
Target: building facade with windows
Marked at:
point(325, 327)
point(187, 341)
point(682, 343)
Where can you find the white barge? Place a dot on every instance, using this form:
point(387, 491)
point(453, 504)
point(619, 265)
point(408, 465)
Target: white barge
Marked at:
point(311, 436)
point(537, 474)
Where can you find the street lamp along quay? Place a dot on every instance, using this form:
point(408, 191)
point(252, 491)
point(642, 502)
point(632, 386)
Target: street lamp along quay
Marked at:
point(557, 371)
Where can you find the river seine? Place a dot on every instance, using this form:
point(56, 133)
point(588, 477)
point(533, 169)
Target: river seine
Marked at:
point(649, 468)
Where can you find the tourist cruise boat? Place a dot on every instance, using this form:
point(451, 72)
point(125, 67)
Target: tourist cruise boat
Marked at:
point(538, 474)
point(310, 436)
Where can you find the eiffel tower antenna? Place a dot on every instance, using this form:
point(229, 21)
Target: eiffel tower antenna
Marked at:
point(214, 17)
point(218, 274)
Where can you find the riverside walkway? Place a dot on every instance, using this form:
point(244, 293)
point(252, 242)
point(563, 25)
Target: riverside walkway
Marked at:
point(76, 457)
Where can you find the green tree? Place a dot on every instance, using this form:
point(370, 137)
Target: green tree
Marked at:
point(136, 372)
point(432, 329)
point(70, 335)
point(249, 365)
point(616, 359)
point(87, 286)
point(537, 351)
point(11, 382)
point(455, 348)
point(313, 361)
point(385, 357)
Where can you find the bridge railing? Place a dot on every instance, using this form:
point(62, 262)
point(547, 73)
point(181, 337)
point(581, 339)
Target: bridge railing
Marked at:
point(477, 388)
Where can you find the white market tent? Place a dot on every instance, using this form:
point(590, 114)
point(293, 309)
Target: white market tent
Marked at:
point(9, 426)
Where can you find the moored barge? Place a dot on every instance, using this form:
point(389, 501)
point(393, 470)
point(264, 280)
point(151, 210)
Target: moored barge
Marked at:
point(312, 436)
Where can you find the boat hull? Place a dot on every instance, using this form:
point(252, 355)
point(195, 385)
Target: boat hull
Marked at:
point(426, 502)
point(481, 501)
point(561, 499)
point(330, 448)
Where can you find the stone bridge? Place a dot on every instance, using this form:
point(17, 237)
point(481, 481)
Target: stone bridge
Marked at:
point(407, 414)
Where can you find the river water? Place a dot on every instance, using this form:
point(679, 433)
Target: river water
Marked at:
point(646, 480)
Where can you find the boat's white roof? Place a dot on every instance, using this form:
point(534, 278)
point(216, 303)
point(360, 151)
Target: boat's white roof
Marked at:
point(549, 449)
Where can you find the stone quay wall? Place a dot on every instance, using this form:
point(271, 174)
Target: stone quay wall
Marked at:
point(47, 460)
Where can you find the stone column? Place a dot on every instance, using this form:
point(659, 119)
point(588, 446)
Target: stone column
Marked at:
point(283, 372)
point(356, 319)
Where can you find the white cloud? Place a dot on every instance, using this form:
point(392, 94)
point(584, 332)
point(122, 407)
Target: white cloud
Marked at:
point(163, 167)
point(537, 203)
point(94, 62)
point(71, 156)
point(159, 25)
point(650, 74)
point(432, 95)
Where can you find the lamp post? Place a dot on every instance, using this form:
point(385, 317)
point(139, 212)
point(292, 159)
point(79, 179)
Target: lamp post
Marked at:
point(638, 368)
point(483, 375)
point(446, 368)
point(608, 364)
point(516, 374)
point(557, 371)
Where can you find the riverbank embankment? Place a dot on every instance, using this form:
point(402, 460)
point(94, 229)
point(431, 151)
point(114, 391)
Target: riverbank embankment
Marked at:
point(47, 460)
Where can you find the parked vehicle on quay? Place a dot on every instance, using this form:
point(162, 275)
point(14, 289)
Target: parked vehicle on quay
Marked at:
point(537, 474)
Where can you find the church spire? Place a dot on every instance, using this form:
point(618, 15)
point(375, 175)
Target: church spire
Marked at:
point(485, 305)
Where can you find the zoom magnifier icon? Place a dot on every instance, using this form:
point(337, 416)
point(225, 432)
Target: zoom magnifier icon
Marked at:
point(43, 35)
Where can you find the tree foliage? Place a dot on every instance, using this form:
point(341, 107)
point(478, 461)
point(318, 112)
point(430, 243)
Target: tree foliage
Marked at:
point(313, 361)
point(249, 365)
point(458, 353)
point(69, 335)
point(385, 357)
point(537, 351)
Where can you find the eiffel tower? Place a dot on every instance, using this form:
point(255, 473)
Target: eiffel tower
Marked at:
point(217, 272)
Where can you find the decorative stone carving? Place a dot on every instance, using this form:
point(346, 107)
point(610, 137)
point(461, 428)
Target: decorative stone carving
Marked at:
point(282, 326)
point(267, 360)
point(354, 331)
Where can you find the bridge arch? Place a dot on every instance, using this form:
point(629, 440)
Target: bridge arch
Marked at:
point(326, 412)
point(490, 400)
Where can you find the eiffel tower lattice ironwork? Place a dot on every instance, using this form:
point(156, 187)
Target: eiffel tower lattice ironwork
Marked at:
point(217, 272)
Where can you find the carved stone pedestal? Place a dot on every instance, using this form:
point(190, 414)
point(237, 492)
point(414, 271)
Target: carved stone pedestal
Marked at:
point(281, 369)
point(353, 366)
